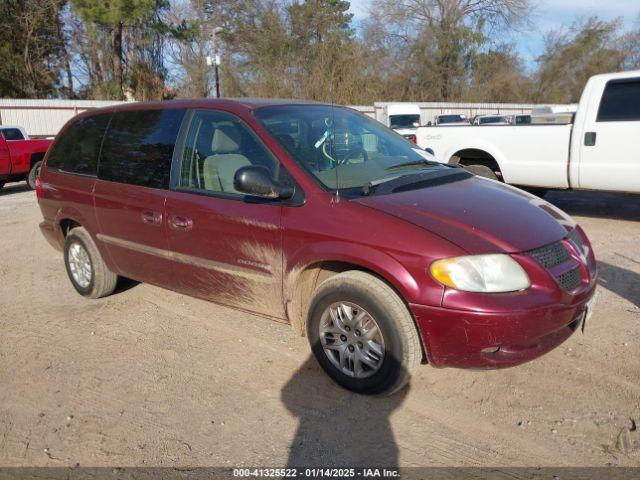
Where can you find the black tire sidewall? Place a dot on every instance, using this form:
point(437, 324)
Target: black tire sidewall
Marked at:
point(71, 239)
point(32, 177)
point(391, 371)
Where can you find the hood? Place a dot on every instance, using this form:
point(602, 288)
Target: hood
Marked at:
point(478, 215)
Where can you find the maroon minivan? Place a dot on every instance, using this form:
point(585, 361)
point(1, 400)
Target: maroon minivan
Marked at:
point(319, 216)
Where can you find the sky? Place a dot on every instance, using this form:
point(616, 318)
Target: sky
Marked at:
point(550, 15)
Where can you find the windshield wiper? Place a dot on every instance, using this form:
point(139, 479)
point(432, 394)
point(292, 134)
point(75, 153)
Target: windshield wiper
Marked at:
point(369, 187)
point(412, 164)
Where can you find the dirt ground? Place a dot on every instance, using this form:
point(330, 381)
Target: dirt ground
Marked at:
point(148, 377)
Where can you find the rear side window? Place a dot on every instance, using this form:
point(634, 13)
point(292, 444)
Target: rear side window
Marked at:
point(78, 149)
point(12, 134)
point(620, 101)
point(138, 147)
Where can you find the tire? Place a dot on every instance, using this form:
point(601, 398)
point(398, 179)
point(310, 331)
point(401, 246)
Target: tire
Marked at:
point(96, 282)
point(370, 297)
point(481, 171)
point(32, 177)
point(1, 185)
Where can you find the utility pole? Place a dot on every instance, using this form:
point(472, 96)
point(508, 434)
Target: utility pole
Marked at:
point(214, 60)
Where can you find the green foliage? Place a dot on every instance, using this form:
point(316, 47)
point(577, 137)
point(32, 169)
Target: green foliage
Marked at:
point(414, 50)
point(30, 48)
point(111, 12)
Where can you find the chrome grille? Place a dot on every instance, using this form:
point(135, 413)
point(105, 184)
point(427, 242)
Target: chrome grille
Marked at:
point(576, 238)
point(570, 280)
point(551, 255)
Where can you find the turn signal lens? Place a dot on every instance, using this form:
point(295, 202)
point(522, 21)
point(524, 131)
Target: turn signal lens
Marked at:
point(493, 273)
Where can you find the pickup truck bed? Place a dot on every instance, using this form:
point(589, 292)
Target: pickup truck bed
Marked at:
point(20, 160)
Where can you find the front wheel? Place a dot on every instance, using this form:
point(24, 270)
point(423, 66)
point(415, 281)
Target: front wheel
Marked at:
point(32, 177)
point(362, 334)
point(88, 273)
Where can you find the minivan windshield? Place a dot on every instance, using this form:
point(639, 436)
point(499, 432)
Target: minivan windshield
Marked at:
point(342, 148)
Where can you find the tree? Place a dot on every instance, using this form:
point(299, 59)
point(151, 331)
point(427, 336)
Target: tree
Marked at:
point(133, 64)
point(571, 57)
point(497, 76)
point(439, 37)
point(31, 48)
point(187, 51)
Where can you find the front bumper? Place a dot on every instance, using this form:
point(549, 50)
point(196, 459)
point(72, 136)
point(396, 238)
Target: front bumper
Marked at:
point(466, 338)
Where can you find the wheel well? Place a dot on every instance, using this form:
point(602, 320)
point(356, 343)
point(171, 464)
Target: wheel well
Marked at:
point(302, 284)
point(473, 156)
point(36, 157)
point(67, 224)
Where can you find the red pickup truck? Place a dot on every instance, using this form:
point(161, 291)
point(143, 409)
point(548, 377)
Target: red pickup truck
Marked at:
point(20, 156)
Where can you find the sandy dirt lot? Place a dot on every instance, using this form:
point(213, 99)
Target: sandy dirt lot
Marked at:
point(148, 377)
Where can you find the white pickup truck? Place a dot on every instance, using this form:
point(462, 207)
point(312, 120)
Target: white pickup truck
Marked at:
point(600, 150)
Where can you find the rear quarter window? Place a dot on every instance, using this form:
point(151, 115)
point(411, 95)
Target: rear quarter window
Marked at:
point(620, 101)
point(77, 150)
point(138, 147)
point(12, 134)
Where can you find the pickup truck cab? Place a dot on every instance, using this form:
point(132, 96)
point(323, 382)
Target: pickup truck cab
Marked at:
point(321, 217)
point(597, 148)
point(20, 156)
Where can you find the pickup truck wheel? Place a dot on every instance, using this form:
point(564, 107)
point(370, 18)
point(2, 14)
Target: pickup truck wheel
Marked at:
point(362, 334)
point(481, 171)
point(87, 271)
point(32, 177)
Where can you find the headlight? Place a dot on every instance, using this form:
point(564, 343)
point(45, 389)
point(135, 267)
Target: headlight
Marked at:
point(481, 273)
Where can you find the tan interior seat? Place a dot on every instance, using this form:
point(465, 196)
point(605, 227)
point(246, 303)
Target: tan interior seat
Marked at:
point(219, 169)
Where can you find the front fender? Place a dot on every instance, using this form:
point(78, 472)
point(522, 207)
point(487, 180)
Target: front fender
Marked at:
point(376, 261)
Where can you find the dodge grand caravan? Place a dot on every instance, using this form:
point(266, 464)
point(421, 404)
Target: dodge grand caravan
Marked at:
point(321, 217)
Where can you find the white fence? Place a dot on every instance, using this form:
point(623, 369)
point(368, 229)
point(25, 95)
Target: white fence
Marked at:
point(46, 117)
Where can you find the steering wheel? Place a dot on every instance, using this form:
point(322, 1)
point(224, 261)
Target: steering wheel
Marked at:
point(355, 153)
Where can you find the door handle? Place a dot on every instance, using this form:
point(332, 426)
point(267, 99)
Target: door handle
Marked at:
point(178, 222)
point(151, 218)
point(589, 139)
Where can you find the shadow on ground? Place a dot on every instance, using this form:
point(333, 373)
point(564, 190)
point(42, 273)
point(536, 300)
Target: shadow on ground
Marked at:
point(12, 188)
point(338, 428)
point(125, 284)
point(618, 206)
point(621, 281)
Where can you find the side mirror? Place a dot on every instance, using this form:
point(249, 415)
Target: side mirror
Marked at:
point(256, 180)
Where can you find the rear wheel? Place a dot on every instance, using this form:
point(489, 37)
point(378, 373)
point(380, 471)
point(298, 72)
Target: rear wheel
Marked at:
point(481, 171)
point(87, 271)
point(362, 334)
point(32, 177)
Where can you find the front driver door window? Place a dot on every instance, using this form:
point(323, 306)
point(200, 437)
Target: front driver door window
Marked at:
point(217, 146)
point(227, 249)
